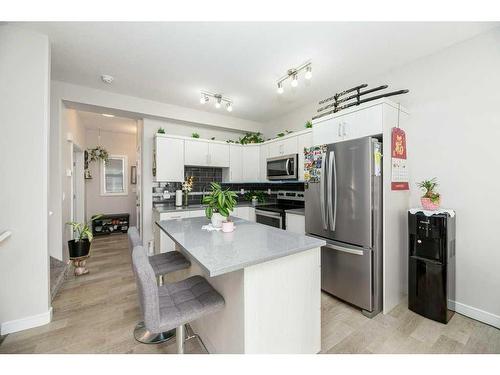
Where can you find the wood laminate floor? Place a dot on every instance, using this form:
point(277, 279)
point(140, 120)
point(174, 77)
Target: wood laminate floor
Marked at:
point(96, 313)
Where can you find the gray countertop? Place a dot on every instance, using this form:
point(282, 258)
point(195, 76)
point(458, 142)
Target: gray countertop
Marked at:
point(194, 207)
point(296, 211)
point(250, 243)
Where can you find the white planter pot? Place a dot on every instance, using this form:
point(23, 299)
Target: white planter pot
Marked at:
point(217, 219)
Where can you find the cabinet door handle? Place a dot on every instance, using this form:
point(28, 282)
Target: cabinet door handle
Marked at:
point(338, 129)
point(343, 129)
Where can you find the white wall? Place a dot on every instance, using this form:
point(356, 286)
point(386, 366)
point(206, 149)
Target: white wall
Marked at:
point(453, 130)
point(24, 122)
point(116, 144)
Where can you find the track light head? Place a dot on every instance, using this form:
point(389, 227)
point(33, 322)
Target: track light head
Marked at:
point(203, 99)
point(218, 102)
point(280, 89)
point(308, 74)
point(295, 80)
point(229, 107)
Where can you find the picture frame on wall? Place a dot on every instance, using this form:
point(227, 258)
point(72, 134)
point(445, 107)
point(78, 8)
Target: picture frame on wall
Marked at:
point(133, 174)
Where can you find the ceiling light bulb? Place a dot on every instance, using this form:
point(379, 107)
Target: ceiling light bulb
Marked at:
point(280, 88)
point(308, 74)
point(229, 107)
point(295, 80)
point(108, 115)
point(217, 103)
point(203, 99)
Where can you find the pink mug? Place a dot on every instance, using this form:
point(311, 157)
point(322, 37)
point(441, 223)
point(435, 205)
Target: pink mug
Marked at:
point(227, 226)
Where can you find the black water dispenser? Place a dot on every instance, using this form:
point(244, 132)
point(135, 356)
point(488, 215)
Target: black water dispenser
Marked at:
point(431, 265)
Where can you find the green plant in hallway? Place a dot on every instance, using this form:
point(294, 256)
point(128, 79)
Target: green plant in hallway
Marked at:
point(431, 198)
point(82, 233)
point(97, 153)
point(195, 135)
point(220, 203)
point(161, 131)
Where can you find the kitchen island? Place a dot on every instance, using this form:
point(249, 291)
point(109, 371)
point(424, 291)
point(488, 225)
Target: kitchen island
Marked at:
point(269, 278)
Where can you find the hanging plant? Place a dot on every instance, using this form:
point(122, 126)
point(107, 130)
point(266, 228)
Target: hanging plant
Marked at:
point(98, 153)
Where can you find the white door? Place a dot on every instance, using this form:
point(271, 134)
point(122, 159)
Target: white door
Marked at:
point(218, 154)
point(303, 141)
point(169, 161)
point(196, 152)
point(235, 163)
point(251, 167)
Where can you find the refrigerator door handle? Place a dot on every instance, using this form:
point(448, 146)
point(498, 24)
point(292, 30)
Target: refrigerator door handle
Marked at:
point(344, 249)
point(334, 162)
point(322, 192)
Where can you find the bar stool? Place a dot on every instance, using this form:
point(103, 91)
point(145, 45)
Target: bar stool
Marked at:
point(162, 264)
point(170, 306)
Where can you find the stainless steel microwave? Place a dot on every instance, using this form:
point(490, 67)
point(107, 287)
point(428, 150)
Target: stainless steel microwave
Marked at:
point(282, 167)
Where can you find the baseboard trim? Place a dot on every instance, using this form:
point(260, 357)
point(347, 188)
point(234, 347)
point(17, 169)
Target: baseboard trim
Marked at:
point(475, 313)
point(26, 323)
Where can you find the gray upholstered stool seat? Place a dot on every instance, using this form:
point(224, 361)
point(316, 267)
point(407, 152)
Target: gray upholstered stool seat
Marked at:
point(164, 263)
point(173, 305)
point(187, 300)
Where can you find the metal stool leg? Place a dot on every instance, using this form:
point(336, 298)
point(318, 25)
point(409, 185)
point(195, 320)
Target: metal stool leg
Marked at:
point(142, 335)
point(179, 337)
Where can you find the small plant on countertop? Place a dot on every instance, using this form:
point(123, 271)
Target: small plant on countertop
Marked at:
point(187, 186)
point(161, 131)
point(259, 195)
point(431, 198)
point(309, 125)
point(219, 201)
point(195, 135)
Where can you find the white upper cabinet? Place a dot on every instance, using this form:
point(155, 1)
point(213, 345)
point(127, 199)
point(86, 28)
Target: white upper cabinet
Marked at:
point(303, 141)
point(168, 159)
point(251, 164)
point(361, 123)
point(283, 147)
point(205, 153)
point(196, 152)
point(235, 163)
point(218, 154)
point(264, 154)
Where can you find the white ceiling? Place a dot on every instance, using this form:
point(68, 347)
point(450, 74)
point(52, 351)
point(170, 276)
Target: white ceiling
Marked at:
point(96, 121)
point(172, 62)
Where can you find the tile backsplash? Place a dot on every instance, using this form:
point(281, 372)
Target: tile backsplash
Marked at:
point(203, 176)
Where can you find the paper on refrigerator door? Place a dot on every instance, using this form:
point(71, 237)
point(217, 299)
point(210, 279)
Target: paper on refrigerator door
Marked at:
point(313, 159)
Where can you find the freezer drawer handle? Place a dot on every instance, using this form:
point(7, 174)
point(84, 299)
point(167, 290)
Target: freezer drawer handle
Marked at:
point(345, 249)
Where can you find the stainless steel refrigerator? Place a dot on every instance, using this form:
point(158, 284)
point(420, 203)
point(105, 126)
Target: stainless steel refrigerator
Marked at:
point(343, 205)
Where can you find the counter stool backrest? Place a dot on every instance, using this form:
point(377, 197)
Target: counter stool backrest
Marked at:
point(134, 239)
point(147, 289)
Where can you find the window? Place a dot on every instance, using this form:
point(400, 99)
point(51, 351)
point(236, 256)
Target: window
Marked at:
point(114, 176)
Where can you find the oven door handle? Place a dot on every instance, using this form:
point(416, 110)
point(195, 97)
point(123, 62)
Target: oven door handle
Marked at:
point(267, 213)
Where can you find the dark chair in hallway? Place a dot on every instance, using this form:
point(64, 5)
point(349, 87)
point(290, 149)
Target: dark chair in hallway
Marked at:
point(162, 264)
point(174, 305)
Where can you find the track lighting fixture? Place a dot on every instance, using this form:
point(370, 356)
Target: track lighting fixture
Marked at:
point(294, 75)
point(218, 100)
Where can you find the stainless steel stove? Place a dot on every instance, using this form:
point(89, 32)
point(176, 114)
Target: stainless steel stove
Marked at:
point(274, 215)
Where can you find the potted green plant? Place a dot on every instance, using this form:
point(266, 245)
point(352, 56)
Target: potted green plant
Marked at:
point(195, 135)
point(80, 246)
point(220, 203)
point(431, 199)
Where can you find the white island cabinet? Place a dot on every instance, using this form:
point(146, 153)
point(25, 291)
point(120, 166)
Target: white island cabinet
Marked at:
point(270, 280)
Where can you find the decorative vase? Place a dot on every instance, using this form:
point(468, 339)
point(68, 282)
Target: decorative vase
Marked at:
point(185, 198)
point(429, 205)
point(217, 220)
point(254, 201)
point(227, 226)
point(78, 249)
